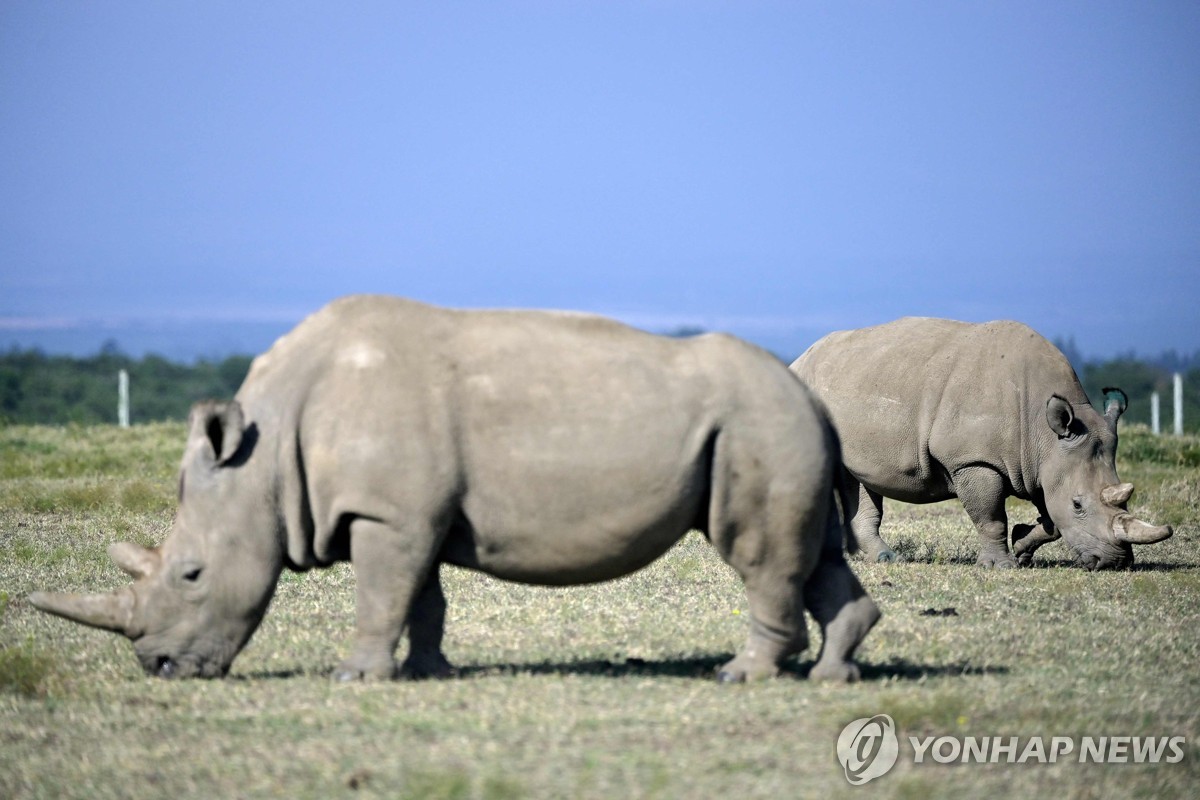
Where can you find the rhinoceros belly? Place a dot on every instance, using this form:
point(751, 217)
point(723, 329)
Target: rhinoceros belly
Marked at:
point(885, 446)
point(571, 527)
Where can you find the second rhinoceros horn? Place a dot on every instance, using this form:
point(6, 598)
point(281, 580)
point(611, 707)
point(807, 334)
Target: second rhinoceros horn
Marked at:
point(135, 560)
point(1117, 494)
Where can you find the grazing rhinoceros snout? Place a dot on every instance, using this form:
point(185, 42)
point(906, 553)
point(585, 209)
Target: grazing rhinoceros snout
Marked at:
point(185, 666)
point(1099, 529)
point(1104, 556)
point(196, 599)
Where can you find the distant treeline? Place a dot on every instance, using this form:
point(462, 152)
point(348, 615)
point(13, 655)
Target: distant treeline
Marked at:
point(36, 388)
point(1140, 377)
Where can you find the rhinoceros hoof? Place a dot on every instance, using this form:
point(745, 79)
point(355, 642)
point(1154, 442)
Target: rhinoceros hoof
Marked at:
point(888, 557)
point(741, 670)
point(835, 672)
point(426, 668)
point(349, 671)
point(1025, 559)
point(997, 561)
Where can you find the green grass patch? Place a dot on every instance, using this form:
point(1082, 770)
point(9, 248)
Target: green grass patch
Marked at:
point(1139, 444)
point(25, 669)
point(88, 495)
point(78, 451)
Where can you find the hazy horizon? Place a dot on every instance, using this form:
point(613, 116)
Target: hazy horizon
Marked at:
point(190, 340)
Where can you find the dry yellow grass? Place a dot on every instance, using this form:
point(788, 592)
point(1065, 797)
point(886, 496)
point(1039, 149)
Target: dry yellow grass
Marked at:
point(600, 691)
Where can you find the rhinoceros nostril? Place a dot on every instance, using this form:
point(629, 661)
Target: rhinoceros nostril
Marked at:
point(165, 667)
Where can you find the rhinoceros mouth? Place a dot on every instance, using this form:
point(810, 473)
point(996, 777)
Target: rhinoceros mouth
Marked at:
point(1093, 561)
point(171, 667)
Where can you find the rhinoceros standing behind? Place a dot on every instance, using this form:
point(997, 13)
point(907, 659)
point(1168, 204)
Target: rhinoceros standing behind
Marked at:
point(537, 447)
point(929, 409)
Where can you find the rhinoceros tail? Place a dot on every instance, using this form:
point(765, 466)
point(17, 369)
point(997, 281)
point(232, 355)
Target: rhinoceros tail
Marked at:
point(840, 516)
point(838, 535)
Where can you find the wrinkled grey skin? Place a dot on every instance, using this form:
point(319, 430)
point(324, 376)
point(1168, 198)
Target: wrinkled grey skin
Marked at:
point(537, 447)
point(929, 409)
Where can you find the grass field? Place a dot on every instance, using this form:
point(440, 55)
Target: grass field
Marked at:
point(601, 691)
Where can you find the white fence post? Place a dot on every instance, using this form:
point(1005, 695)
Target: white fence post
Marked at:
point(1154, 426)
point(123, 399)
point(1178, 404)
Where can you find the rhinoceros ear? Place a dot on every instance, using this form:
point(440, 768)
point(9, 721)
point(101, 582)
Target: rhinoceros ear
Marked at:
point(1059, 415)
point(217, 427)
point(1115, 403)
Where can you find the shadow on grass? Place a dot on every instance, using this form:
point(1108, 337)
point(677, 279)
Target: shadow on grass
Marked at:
point(706, 667)
point(1138, 566)
point(701, 667)
point(1162, 566)
point(1039, 562)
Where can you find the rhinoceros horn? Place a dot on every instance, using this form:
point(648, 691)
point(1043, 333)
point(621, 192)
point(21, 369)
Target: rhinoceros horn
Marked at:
point(111, 612)
point(137, 561)
point(1117, 494)
point(1126, 527)
point(1129, 528)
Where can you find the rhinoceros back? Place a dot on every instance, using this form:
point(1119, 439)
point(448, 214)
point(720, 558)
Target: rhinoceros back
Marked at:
point(566, 447)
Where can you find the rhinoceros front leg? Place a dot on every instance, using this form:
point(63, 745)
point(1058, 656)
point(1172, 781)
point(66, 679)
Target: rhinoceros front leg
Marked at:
point(391, 567)
point(1027, 539)
point(982, 492)
point(426, 626)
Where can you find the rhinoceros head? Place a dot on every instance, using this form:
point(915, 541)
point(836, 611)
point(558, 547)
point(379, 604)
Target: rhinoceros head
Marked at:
point(198, 597)
point(1083, 495)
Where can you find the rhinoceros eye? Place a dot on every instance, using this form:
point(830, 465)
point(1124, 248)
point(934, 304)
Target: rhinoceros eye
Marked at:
point(192, 575)
point(1076, 505)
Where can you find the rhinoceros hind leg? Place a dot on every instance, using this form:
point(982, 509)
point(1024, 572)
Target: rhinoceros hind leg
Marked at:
point(866, 515)
point(845, 613)
point(426, 626)
point(765, 650)
point(432, 666)
point(777, 626)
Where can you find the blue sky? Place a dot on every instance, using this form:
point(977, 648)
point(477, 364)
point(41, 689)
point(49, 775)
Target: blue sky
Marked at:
point(214, 171)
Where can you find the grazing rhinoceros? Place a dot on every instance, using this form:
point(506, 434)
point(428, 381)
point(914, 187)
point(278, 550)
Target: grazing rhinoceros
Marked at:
point(929, 409)
point(537, 447)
